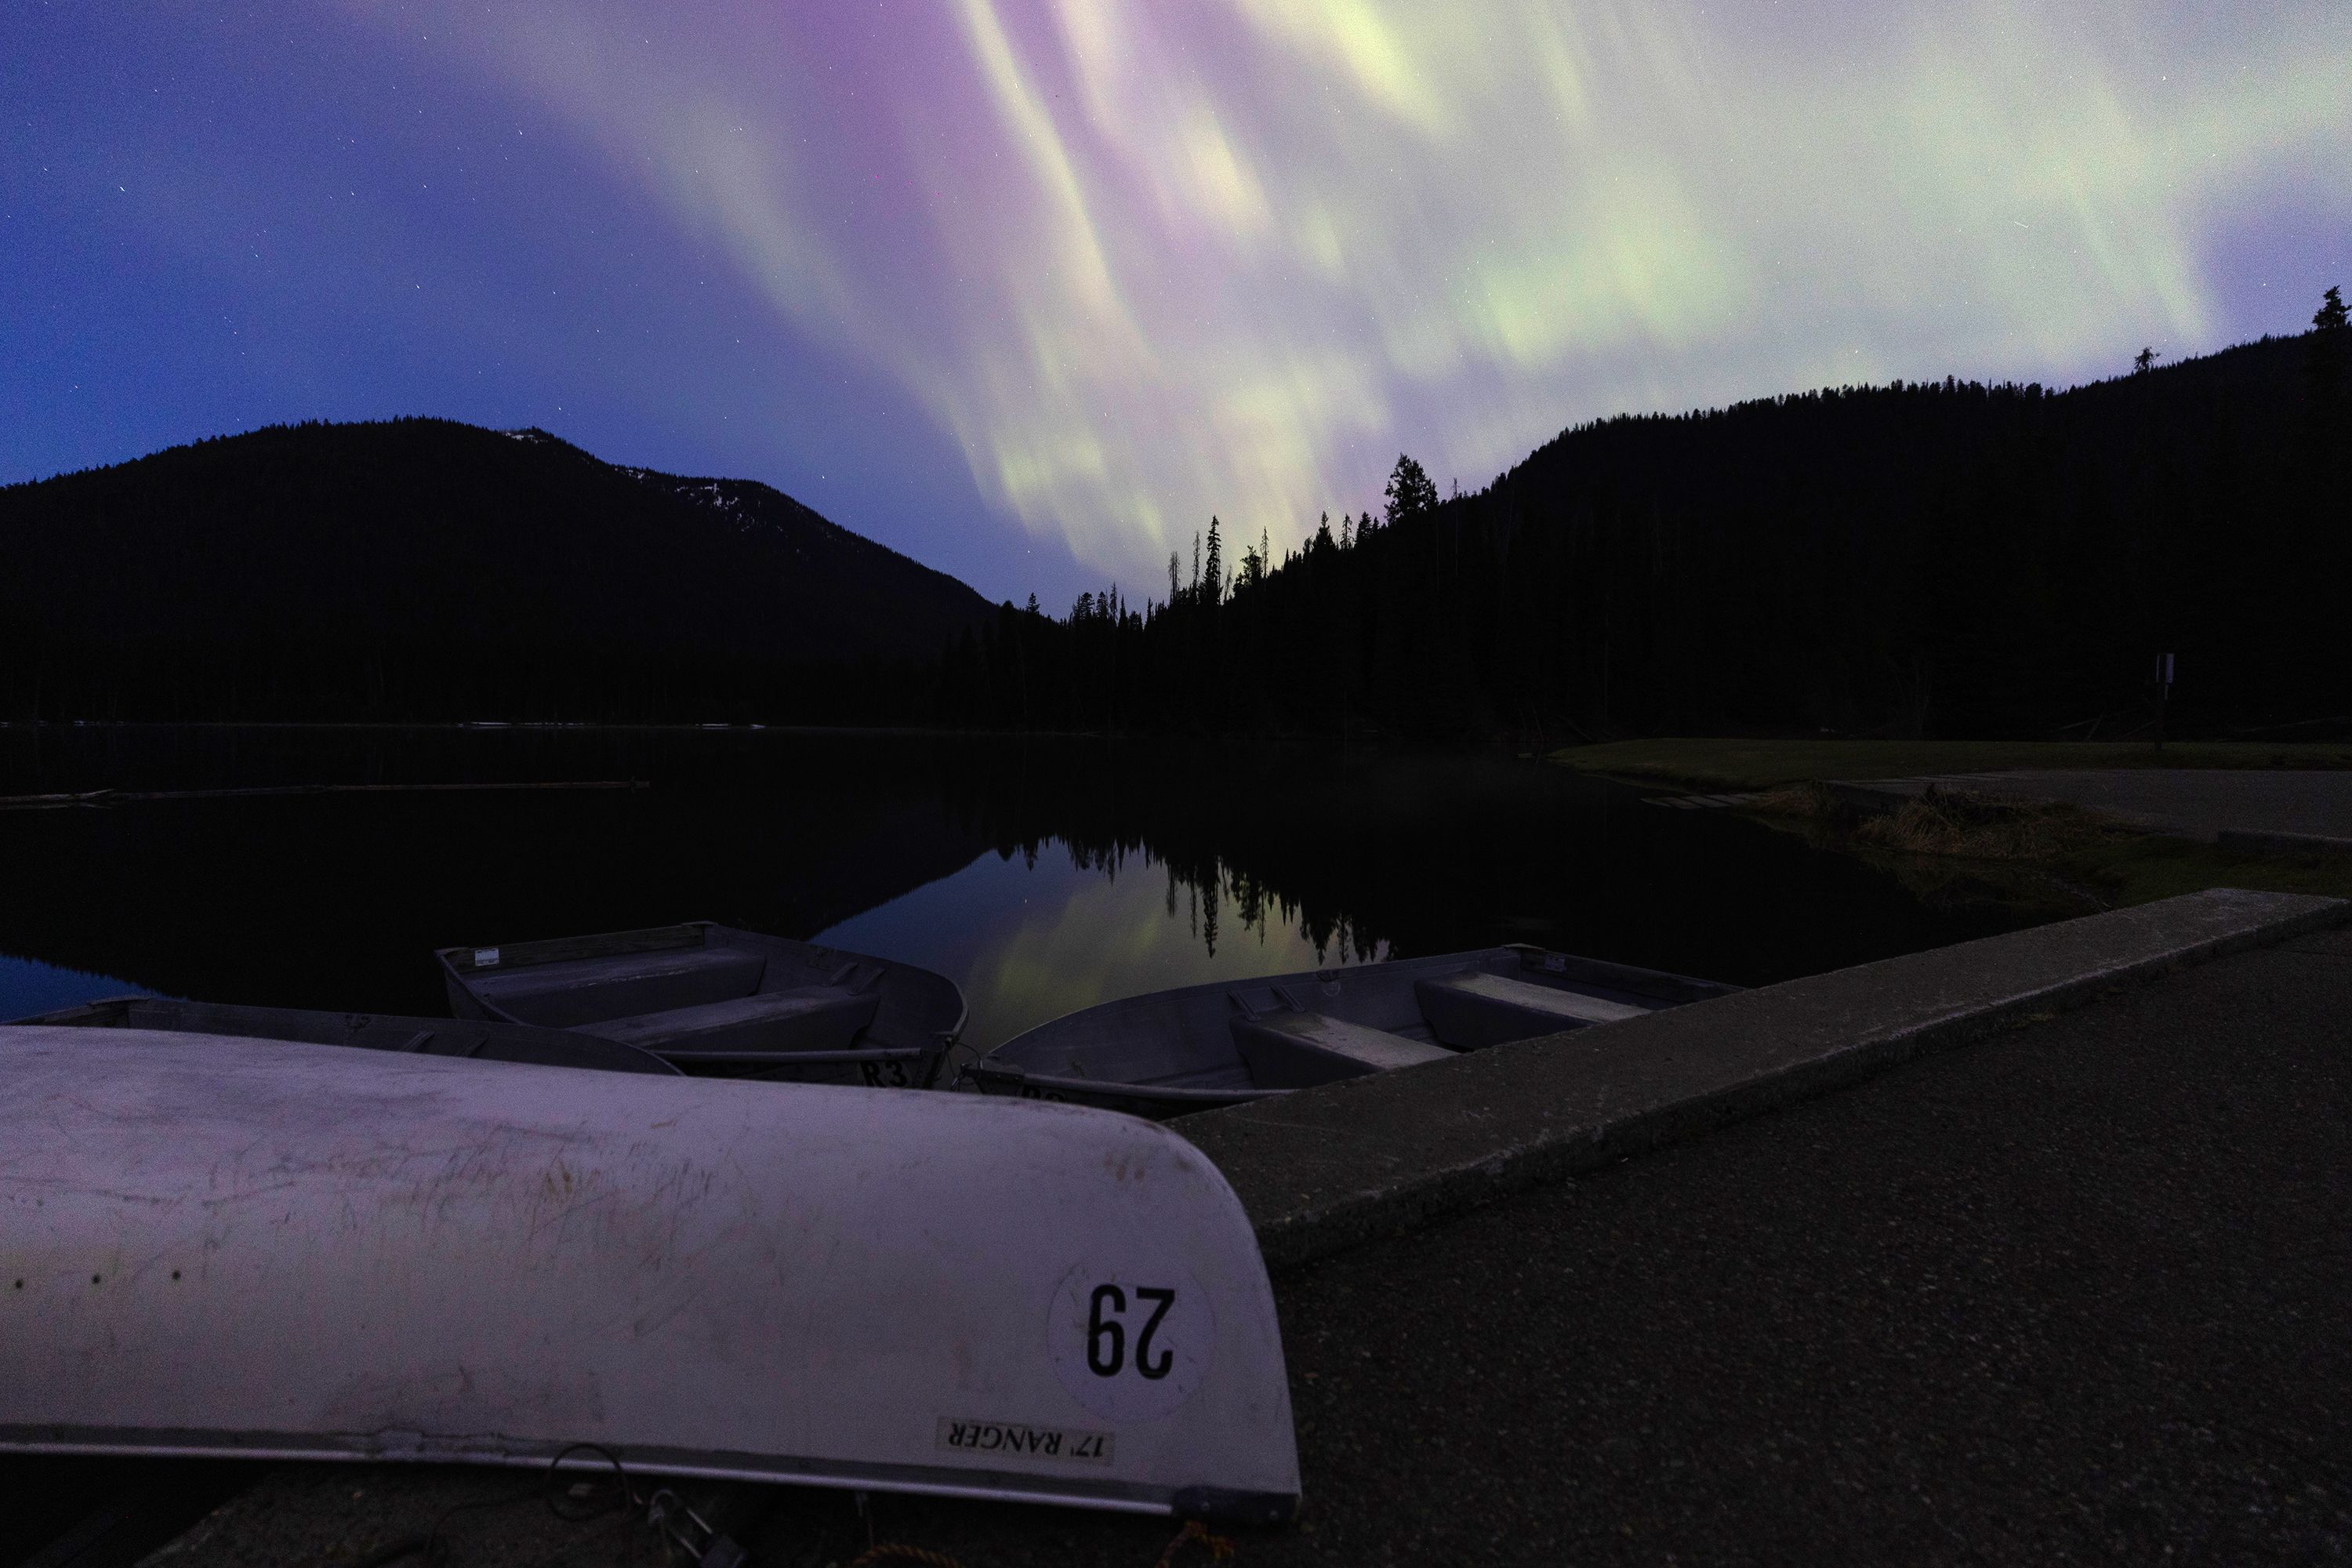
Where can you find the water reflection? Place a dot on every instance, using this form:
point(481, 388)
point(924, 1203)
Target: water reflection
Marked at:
point(29, 986)
point(1041, 875)
point(1033, 934)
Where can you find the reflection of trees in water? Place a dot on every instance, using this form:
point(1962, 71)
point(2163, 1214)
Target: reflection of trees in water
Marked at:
point(1335, 938)
point(781, 832)
point(1251, 842)
point(1209, 887)
point(1362, 856)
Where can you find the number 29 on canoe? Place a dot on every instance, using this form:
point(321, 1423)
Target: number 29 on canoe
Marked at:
point(1130, 1344)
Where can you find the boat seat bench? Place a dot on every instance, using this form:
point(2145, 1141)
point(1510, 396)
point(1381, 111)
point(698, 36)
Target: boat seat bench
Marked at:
point(579, 990)
point(1291, 1049)
point(812, 1018)
point(1477, 1007)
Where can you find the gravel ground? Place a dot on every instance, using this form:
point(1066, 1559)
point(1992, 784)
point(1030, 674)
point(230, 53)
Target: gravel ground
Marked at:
point(2079, 1292)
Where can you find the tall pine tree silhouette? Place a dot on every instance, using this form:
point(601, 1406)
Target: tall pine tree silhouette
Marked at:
point(1411, 493)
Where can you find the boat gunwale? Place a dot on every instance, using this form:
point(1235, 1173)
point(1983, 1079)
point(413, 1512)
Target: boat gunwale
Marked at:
point(683, 936)
point(251, 1020)
point(773, 1058)
point(910, 1480)
point(983, 1072)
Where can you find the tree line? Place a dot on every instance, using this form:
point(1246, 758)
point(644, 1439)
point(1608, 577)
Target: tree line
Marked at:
point(1947, 558)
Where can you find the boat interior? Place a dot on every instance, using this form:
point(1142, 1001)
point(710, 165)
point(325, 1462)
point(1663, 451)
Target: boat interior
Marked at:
point(702, 991)
point(1295, 1031)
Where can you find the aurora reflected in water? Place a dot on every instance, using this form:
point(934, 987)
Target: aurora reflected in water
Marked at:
point(1032, 938)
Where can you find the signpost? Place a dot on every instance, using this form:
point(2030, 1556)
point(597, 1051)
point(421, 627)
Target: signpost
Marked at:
point(2163, 694)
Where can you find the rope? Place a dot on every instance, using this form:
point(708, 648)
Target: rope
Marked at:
point(899, 1552)
point(552, 1489)
point(1221, 1548)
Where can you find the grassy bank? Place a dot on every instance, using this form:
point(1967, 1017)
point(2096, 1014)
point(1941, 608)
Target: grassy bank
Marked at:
point(1707, 765)
point(2050, 857)
point(2140, 868)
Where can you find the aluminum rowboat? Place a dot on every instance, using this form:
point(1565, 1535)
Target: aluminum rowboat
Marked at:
point(468, 1037)
point(715, 1000)
point(1201, 1046)
point(229, 1246)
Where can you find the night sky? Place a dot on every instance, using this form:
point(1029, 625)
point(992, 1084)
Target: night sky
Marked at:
point(1028, 290)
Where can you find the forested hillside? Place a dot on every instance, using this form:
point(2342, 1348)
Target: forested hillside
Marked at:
point(1948, 558)
point(421, 569)
point(1942, 558)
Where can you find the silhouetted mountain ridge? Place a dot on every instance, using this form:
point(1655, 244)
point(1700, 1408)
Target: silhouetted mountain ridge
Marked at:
point(420, 568)
point(1924, 558)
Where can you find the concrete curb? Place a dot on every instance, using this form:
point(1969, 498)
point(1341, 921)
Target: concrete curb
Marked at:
point(1327, 1168)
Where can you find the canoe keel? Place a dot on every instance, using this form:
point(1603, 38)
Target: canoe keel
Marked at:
point(218, 1246)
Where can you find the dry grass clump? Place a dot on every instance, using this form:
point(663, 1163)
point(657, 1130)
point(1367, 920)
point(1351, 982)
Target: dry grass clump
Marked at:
point(1987, 828)
point(1808, 799)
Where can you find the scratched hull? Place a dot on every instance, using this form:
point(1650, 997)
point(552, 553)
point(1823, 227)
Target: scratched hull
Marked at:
point(262, 1248)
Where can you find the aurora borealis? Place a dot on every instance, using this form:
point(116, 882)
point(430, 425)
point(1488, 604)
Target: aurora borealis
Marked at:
point(1029, 290)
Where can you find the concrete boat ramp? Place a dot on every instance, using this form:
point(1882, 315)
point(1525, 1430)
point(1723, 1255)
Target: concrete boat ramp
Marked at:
point(2026, 1248)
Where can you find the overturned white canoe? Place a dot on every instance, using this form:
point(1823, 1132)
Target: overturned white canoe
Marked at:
point(222, 1245)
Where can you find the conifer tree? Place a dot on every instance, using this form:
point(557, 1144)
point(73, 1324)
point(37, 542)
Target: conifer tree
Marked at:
point(2324, 365)
point(1411, 492)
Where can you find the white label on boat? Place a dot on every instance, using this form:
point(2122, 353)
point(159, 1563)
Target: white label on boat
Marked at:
point(1018, 1440)
point(1130, 1340)
point(1556, 963)
point(486, 958)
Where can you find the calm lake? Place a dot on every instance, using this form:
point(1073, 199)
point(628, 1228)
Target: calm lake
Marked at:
point(1041, 875)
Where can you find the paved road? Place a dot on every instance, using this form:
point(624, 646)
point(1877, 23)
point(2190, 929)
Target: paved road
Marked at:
point(2196, 802)
point(2077, 1292)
